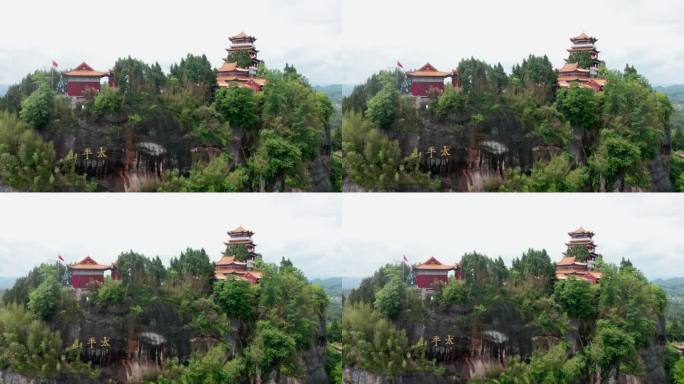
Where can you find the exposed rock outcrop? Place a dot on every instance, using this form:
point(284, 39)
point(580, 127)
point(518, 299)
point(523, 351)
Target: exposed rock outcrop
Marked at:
point(482, 343)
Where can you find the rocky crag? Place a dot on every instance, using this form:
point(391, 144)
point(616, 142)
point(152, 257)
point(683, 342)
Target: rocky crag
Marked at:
point(483, 342)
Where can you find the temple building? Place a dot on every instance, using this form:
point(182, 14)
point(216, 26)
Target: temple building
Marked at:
point(241, 236)
point(570, 266)
point(81, 78)
point(87, 270)
point(229, 266)
point(427, 77)
point(230, 74)
point(243, 42)
point(573, 73)
point(432, 270)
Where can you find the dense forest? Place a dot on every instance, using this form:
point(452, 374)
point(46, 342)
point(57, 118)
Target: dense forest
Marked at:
point(527, 134)
point(510, 325)
point(171, 131)
point(169, 324)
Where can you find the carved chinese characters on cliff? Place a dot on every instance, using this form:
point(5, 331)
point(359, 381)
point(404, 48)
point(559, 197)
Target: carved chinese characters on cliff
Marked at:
point(437, 161)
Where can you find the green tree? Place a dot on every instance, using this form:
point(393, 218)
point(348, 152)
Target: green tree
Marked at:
point(237, 105)
point(678, 372)
point(273, 348)
point(239, 251)
point(375, 344)
point(618, 162)
point(212, 368)
point(388, 300)
point(37, 108)
point(382, 108)
point(583, 59)
point(44, 300)
point(450, 102)
point(108, 101)
point(134, 79)
point(111, 292)
point(195, 73)
point(214, 176)
point(240, 57)
point(292, 109)
point(576, 297)
point(614, 349)
point(193, 263)
point(535, 71)
point(535, 265)
point(27, 346)
point(236, 298)
point(276, 162)
point(479, 78)
point(579, 107)
point(373, 161)
point(30, 164)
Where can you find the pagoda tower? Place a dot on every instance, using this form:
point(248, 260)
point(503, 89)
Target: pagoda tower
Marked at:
point(231, 74)
point(230, 267)
point(580, 269)
point(581, 237)
point(241, 236)
point(573, 73)
point(586, 43)
point(243, 42)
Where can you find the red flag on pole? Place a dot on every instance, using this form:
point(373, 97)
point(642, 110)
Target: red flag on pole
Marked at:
point(54, 64)
point(399, 65)
point(60, 257)
point(405, 259)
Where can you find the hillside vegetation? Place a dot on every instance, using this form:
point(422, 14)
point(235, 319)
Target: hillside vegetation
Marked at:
point(211, 331)
point(519, 322)
point(530, 136)
point(186, 134)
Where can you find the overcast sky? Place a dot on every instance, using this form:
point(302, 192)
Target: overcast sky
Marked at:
point(340, 235)
point(300, 32)
point(380, 228)
point(342, 41)
point(645, 33)
point(36, 228)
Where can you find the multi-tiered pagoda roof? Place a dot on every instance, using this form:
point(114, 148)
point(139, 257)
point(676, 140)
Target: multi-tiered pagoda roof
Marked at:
point(228, 266)
point(573, 73)
point(570, 266)
point(230, 74)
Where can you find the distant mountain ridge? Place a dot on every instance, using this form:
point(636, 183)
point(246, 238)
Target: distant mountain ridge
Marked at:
point(7, 282)
point(673, 286)
point(337, 283)
point(3, 89)
point(675, 93)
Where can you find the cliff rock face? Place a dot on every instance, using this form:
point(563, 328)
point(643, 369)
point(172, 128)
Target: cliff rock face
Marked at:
point(471, 345)
point(479, 154)
point(358, 376)
point(476, 156)
point(124, 345)
point(133, 158)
